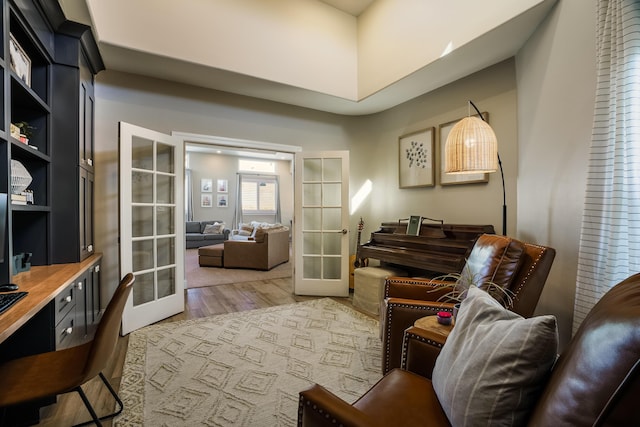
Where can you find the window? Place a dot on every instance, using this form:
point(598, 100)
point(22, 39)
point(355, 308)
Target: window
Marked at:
point(259, 195)
point(256, 166)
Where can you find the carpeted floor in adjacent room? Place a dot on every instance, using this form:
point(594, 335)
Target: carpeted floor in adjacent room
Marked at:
point(198, 277)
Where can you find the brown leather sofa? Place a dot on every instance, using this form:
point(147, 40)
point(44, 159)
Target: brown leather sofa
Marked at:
point(520, 267)
point(269, 248)
point(595, 382)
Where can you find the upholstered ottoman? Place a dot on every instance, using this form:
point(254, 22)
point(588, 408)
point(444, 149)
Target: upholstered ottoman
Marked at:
point(211, 256)
point(368, 287)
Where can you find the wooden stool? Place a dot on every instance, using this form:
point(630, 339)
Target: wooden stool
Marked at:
point(211, 256)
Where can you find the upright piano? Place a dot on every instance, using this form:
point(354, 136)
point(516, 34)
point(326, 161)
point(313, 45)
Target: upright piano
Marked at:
point(438, 249)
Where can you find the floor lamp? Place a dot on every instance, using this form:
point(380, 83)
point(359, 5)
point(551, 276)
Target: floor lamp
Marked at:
point(472, 147)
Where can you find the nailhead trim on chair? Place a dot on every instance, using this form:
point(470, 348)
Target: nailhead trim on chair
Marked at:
point(405, 346)
point(389, 316)
point(315, 408)
point(533, 266)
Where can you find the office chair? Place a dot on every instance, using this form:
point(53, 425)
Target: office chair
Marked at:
point(56, 372)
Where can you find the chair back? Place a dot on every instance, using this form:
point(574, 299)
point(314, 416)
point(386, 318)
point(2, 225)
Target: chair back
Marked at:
point(522, 268)
point(596, 380)
point(530, 279)
point(106, 337)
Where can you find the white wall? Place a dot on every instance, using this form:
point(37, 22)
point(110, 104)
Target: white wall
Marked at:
point(543, 129)
point(219, 166)
point(556, 78)
point(166, 107)
point(375, 152)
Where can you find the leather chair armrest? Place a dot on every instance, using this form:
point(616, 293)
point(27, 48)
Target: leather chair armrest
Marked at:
point(420, 348)
point(319, 407)
point(398, 315)
point(416, 288)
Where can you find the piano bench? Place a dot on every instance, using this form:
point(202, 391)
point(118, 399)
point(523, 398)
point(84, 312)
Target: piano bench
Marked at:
point(368, 287)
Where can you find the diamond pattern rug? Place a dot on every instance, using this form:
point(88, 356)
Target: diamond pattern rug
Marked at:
point(246, 368)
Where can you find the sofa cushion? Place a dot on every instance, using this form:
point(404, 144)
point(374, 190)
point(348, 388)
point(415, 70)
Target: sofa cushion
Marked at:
point(192, 227)
point(494, 363)
point(203, 224)
point(216, 228)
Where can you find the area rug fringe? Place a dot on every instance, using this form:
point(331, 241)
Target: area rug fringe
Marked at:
point(246, 368)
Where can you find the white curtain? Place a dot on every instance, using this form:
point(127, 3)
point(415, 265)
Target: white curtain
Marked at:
point(237, 217)
point(188, 191)
point(610, 234)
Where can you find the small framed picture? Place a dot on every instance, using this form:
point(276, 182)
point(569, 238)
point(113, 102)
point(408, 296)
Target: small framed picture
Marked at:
point(413, 228)
point(206, 185)
point(222, 201)
point(20, 62)
point(206, 201)
point(223, 186)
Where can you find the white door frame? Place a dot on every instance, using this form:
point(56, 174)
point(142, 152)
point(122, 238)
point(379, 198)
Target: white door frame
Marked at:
point(155, 307)
point(195, 138)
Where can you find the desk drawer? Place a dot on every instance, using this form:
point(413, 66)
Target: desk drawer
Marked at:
point(65, 301)
point(65, 333)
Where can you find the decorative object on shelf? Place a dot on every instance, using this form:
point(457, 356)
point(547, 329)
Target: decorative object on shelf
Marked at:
point(20, 177)
point(25, 131)
point(416, 159)
point(223, 186)
point(472, 147)
point(20, 62)
point(222, 201)
point(206, 185)
point(15, 131)
point(22, 262)
point(22, 198)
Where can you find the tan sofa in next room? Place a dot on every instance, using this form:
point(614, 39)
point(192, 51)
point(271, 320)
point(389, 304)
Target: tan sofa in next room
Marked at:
point(270, 247)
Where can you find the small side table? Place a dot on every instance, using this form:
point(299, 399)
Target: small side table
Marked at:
point(430, 323)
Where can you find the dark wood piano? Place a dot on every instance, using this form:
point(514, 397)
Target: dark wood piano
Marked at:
point(438, 249)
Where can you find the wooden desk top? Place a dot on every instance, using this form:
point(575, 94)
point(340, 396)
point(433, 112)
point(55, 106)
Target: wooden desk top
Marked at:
point(43, 284)
point(431, 323)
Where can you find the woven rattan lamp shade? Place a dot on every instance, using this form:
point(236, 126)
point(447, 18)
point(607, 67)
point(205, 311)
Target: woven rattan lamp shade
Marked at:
point(471, 147)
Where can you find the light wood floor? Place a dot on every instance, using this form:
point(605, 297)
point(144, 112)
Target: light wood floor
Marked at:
point(200, 302)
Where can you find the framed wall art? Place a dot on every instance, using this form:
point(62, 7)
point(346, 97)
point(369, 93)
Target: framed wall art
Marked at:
point(223, 186)
point(416, 166)
point(452, 179)
point(206, 201)
point(223, 201)
point(20, 62)
point(206, 185)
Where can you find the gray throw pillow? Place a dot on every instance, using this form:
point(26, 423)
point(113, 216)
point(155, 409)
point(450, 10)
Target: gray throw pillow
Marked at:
point(494, 363)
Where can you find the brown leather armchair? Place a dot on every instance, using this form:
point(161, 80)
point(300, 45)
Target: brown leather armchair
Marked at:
point(520, 267)
point(595, 382)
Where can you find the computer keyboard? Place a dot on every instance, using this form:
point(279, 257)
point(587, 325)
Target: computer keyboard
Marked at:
point(7, 300)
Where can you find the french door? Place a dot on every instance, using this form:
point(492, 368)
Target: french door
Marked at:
point(321, 240)
point(151, 224)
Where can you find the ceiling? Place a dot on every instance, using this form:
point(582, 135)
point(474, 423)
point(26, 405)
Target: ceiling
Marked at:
point(352, 7)
point(496, 45)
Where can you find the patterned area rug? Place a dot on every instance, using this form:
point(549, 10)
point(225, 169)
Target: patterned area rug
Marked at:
point(246, 368)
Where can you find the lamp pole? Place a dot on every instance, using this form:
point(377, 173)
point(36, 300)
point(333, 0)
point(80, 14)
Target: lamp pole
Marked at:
point(504, 194)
